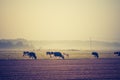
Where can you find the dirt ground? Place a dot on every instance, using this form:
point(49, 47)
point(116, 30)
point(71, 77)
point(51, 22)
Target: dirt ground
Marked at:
point(79, 69)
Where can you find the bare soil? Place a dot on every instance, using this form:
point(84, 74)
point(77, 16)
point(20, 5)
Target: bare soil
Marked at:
point(79, 69)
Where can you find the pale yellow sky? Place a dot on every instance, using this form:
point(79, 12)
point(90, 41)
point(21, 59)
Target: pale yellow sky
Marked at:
point(60, 19)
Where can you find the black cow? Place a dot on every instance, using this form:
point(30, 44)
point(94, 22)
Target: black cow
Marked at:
point(58, 54)
point(55, 54)
point(95, 54)
point(117, 53)
point(30, 54)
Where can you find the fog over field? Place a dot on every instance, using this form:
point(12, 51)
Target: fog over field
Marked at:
point(58, 44)
point(76, 44)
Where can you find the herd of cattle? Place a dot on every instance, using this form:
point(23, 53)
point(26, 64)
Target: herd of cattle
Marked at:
point(60, 55)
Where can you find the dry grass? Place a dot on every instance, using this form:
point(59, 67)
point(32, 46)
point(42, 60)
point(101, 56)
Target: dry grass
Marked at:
point(41, 54)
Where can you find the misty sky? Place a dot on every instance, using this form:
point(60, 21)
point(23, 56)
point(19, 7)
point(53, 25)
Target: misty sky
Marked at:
point(60, 19)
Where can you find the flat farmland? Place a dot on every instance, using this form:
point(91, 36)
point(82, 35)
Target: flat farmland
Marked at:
point(71, 69)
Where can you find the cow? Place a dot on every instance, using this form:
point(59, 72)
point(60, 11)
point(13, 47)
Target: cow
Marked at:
point(30, 54)
point(117, 53)
point(55, 54)
point(58, 54)
point(95, 54)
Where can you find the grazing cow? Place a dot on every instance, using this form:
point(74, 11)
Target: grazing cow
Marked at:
point(55, 54)
point(95, 54)
point(58, 54)
point(117, 53)
point(30, 54)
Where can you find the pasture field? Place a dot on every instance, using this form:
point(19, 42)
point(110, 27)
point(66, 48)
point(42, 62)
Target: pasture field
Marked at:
point(41, 54)
point(79, 69)
point(80, 65)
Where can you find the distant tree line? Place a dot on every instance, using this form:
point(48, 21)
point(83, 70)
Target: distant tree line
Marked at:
point(15, 44)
